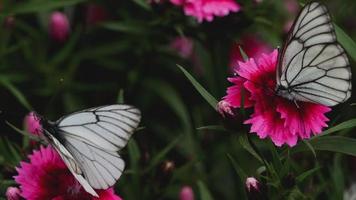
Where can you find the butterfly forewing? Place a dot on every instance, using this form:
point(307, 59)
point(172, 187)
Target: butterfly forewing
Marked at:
point(92, 138)
point(313, 66)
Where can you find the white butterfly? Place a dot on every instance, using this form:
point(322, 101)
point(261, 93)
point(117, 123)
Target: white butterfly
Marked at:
point(312, 66)
point(88, 141)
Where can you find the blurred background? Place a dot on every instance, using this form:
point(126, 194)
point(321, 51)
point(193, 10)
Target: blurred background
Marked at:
point(61, 56)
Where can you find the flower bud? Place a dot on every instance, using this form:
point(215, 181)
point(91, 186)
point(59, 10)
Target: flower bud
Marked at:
point(13, 193)
point(59, 26)
point(252, 184)
point(32, 124)
point(224, 108)
point(183, 46)
point(186, 193)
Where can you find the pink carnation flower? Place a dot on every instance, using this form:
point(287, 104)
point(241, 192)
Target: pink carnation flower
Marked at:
point(183, 46)
point(207, 9)
point(47, 177)
point(274, 117)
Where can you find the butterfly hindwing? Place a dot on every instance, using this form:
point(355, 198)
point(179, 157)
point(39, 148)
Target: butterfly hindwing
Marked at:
point(312, 65)
point(72, 164)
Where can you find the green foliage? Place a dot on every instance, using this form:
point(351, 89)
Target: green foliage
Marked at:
point(128, 58)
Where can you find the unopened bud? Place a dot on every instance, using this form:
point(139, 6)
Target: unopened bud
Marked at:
point(13, 193)
point(224, 108)
point(32, 124)
point(252, 184)
point(186, 193)
point(59, 26)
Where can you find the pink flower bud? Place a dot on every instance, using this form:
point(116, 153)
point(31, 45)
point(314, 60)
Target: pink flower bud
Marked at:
point(224, 108)
point(59, 26)
point(186, 193)
point(32, 124)
point(183, 46)
point(252, 184)
point(13, 193)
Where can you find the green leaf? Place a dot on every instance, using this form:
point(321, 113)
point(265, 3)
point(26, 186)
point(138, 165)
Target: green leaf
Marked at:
point(67, 50)
point(243, 54)
point(306, 174)
point(344, 125)
point(204, 192)
point(24, 133)
point(125, 27)
point(19, 96)
point(346, 42)
point(160, 156)
point(306, 142)
point(239, 171)
point(10, 153)
point(134, 153)
point(203, 92)
point(212, 128)
point(143, 3)
point(120, 97)
point(246, 145)
point(40, 6)
point(338, 144)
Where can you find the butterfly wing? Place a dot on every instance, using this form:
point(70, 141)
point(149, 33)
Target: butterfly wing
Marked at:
point(72, 164)
point(94, 136)
point(312, 65)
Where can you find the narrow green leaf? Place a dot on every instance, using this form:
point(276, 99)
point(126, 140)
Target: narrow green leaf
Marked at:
point(204, 191)
point(15, 152)
point(134, 153)
point(143, 3)
point(212, 128)
point(125, 27)
point(344, 125)
point(24, 133)
point(19, 96)
point(206, 95)
point(120, 97)
point(243, 54)
point(346, 42)
point(306, 142)
point(160, 156)
point(246, 145)
point(239, 171)
point(306, 174)
point(67, 50)
point(338, 144)
point(40, 6)
point(275, 157)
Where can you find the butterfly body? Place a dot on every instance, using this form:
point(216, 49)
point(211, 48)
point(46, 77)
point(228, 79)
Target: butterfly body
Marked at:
point(312, 66)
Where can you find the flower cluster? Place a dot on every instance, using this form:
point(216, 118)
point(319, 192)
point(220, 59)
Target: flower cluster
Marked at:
point(275, 117)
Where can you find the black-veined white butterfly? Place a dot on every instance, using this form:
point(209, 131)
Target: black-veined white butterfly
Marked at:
point(312, 66)
point(88, 141)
